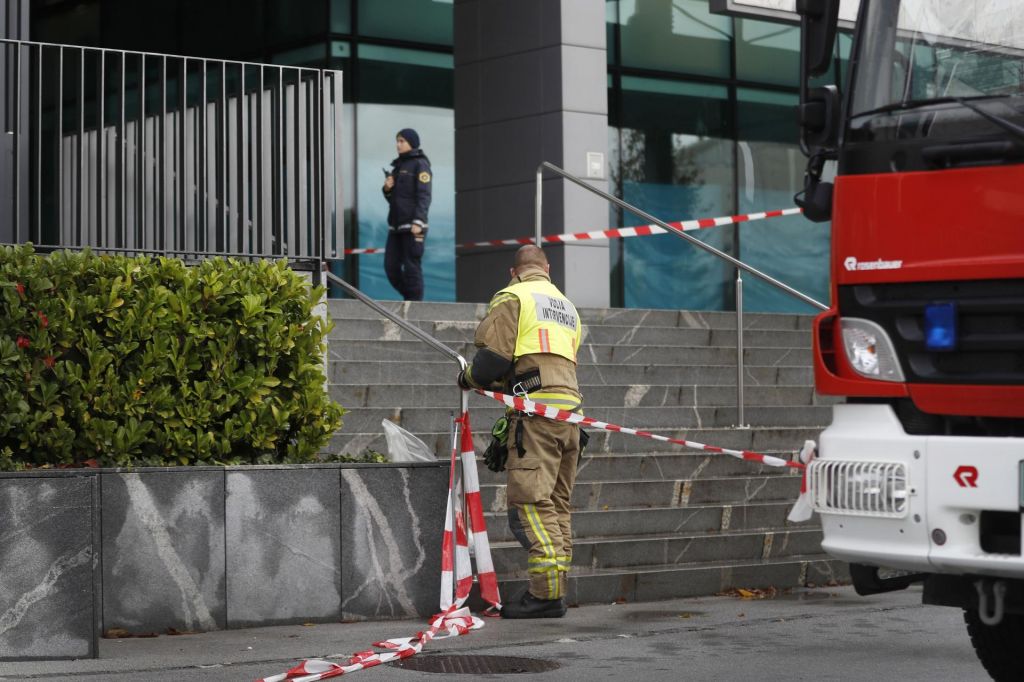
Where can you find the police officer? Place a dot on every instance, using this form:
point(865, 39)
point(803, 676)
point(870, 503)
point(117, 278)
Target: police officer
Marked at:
point(528, 341)
point(407, 189)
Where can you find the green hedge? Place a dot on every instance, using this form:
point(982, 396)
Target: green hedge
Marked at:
point(118, 361)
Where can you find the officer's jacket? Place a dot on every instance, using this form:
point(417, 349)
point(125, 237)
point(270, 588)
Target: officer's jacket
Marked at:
point(410, 197)
point(530, 328)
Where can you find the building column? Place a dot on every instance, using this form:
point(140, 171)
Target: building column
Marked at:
point(530, 86)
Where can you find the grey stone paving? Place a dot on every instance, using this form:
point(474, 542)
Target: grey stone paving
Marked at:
point(807, 634)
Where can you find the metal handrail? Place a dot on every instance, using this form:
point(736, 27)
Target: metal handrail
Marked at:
point(738, 264)
point(662, 224)
point(404, 324)
point(418, 333)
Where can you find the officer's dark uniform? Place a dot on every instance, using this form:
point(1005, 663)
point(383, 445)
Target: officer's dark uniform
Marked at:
point(410, 202)
point(529, 340)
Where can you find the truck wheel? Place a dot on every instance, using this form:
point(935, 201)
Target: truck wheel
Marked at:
point(998, 647)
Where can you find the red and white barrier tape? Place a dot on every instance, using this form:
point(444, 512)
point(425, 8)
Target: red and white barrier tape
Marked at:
point(451, 623)
point(457, 562)
point(454, 619)
point(618, 232)
point(349, 252)
point(531, 407)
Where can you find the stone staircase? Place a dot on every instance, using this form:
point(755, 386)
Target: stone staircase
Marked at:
point(651, 520)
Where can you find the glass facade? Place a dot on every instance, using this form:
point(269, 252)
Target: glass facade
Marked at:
point(675, 158)
point(701, 123)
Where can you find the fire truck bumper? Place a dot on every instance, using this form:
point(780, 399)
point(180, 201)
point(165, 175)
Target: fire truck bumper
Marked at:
point(930, 504)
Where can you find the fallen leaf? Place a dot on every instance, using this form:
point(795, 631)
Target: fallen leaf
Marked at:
point(749, 593)
point(121, 633)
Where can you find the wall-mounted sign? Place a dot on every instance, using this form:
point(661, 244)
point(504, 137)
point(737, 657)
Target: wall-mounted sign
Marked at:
point(595, 165)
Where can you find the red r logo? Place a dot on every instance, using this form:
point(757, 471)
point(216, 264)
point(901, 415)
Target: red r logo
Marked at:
point(966, 476)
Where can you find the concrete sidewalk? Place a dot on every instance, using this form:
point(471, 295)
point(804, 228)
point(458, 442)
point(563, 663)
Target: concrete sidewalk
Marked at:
point(812, 634)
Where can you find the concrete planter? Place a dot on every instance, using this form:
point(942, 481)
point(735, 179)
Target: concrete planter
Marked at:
point(207, 548)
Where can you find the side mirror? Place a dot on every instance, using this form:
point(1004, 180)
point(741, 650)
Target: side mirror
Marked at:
point(819, 107)
point(819, 20)
point(816, 200)
point(818, 114)
point(819, 111)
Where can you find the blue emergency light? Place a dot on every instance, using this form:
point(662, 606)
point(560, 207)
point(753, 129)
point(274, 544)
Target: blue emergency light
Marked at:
point(940, 326)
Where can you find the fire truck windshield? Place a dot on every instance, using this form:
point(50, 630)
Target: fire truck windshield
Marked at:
point(927, 68)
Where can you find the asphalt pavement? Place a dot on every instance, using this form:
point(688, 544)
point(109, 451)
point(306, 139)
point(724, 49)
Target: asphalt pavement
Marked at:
point(805, 634)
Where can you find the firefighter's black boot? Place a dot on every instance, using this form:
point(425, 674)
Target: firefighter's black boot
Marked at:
point(528, 606)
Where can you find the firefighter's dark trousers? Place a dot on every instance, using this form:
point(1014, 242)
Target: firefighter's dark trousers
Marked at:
point(541, 465)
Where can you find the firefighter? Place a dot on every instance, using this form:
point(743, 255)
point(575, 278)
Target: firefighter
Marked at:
point(528, 343)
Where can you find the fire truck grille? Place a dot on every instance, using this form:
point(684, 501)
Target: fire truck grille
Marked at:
point(990, 328)
point(858, 488)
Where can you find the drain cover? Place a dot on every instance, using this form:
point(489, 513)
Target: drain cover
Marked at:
point(475, 665)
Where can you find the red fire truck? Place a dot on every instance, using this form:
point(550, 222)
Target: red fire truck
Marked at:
point(920, 477)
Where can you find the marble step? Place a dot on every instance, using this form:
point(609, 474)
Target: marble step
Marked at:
point(669, 549)
point(589, 353)
point(440, 371)
point(349, 309)
point(462, 332)
point(681, 494)
point(772, 439)
point(709, 518)
point(596, 396)
point(426, 419)
point(669, 581)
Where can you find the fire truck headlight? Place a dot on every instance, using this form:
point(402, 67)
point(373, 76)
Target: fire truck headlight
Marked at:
point(869, 350)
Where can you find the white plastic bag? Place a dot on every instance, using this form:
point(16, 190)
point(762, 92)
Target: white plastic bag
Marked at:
point(803, 509)
point(405, 447)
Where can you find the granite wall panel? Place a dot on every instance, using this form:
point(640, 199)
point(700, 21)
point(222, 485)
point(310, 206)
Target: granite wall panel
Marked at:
point(49, 566)
point(283, 545)
point(163, 549)
point(392, 524)
point(208, 548)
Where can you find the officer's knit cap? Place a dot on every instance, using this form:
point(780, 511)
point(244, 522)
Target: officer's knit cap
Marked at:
point(410, 136)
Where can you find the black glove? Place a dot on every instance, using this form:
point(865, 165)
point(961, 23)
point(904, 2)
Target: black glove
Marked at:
point(495, 456)
point(461, 381)
point(584, 439)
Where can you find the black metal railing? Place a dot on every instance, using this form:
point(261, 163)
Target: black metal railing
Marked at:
point(149, 153)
